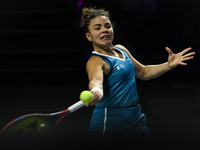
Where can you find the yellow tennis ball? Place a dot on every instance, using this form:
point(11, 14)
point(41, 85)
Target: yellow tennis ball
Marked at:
point(86, 96)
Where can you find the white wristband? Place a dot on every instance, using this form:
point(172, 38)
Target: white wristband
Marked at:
point(97, 89)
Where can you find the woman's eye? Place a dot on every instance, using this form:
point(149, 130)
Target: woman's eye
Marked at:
point(108, 26)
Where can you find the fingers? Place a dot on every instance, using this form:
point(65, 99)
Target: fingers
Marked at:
point(183, 52)
point(186, 50)
point(189, 54)
point(183, 63)
point(168, 50)
point(95, 99)
point(187, 58)
point(87, 105)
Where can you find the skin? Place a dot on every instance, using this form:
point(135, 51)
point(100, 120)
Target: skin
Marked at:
point(96, 67)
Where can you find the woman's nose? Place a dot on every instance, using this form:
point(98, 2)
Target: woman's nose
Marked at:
point(105, 30)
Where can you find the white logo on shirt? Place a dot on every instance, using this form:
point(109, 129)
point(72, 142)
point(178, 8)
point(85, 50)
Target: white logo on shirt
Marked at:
point(120, 66)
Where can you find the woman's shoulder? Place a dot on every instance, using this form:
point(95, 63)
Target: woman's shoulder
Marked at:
point(121, 47)
point(94, 60)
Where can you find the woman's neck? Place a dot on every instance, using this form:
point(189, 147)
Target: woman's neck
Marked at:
point(109, 50)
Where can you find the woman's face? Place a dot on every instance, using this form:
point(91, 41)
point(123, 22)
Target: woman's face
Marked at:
point(101, 32)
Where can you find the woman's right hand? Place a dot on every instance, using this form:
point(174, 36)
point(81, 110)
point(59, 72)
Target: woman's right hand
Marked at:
point(96, 98)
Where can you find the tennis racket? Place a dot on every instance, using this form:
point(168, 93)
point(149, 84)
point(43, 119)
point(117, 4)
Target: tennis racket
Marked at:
point(37, 124)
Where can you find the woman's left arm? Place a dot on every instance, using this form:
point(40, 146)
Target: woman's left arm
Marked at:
point(152, 71)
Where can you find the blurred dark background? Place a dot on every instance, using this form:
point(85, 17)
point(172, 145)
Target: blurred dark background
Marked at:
point(43, 53)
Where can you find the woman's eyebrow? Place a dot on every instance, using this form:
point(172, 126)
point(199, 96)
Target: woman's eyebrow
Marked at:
point(100, 24)
point(96, 25)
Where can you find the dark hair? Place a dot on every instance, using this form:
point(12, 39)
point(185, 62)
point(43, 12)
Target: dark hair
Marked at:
point(91, 13)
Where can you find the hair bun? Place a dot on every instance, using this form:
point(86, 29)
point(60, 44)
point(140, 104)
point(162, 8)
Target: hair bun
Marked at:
point(89, 13)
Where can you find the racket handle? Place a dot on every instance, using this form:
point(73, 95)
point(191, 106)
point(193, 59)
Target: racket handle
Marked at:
point(76, 106)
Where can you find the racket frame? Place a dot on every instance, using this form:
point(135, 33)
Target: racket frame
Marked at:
point(70, 109)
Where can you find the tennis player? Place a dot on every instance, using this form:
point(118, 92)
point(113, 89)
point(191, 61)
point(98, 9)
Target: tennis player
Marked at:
point(112, 71)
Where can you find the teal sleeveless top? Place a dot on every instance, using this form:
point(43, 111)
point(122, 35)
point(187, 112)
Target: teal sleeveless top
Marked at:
point(119, 84)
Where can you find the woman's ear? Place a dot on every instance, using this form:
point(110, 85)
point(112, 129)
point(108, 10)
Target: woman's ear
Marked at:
point(88, 36)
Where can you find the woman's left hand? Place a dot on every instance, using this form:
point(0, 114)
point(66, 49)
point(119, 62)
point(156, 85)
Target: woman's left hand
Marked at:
point(177, 59)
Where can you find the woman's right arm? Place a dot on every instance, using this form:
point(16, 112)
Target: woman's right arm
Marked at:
point(94, 68)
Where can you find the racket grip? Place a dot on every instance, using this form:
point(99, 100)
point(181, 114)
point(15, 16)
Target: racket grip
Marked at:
point(76, 106)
